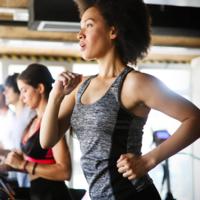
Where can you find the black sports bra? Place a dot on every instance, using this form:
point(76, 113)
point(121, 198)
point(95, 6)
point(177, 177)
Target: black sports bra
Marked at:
point(34, 152)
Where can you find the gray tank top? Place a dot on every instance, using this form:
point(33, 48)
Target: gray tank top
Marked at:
point(106, 130)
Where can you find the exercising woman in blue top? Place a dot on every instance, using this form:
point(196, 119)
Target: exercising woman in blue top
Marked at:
point(108, 111)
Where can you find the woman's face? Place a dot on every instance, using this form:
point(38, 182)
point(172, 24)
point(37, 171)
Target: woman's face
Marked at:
point(12, 97)
point(29, 95)
point(94, 36)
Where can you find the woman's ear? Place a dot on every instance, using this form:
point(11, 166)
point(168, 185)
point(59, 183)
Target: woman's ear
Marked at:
point(113, 33)
point(41, 88)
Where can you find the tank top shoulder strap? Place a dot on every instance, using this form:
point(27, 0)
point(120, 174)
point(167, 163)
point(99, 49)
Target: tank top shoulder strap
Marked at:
point(122, 76)
point(83, 86)
point(117, 85)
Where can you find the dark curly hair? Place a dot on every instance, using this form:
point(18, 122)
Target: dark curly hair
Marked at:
point(11, 81)
point(132, 21)
point(35, 74)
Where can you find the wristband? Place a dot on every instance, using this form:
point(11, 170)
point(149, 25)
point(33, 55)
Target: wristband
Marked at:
point(33, 169)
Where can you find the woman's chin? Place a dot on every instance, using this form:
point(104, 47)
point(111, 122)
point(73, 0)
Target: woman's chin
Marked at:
point(87, 58)
point(30, 106)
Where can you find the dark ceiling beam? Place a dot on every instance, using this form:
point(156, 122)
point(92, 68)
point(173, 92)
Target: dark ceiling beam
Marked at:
point(35, 51)
point(12, 32)
point(14, 3)
point(177, 41)
point(6, 16)
point(156, 57)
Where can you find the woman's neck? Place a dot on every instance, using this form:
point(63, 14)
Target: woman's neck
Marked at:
point(41, 108)
point(110, 65)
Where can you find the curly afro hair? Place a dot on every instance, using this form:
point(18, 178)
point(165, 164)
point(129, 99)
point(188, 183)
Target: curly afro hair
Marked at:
point(132, 22)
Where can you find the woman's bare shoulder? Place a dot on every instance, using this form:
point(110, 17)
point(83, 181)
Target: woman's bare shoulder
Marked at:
point(140, 86)
point(139, 79)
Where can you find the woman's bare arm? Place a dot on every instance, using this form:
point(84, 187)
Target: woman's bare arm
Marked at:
point(153, 94)
point(59, 171)
point(56, 118)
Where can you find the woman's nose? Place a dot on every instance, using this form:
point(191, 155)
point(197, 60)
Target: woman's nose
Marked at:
point(21, 97)
point(80, 35)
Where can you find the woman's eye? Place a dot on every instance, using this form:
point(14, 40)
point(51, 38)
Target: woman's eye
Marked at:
point(89, 25)
point(23, 91)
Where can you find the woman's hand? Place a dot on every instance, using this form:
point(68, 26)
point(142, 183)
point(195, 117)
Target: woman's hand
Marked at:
point(133, 167)
point(15, 160)
point(66, 83)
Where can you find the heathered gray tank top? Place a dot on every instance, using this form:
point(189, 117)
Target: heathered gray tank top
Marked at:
point(106, 130)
